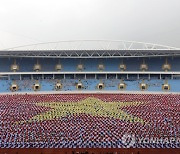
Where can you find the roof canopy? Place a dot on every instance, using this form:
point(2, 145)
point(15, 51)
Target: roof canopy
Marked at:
point(91, 49)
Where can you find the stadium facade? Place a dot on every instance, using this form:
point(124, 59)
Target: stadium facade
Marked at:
point(89, 66)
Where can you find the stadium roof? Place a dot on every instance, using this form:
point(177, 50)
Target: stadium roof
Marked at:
point(91, 49)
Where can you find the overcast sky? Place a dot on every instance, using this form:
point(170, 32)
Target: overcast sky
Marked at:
point(34, 21)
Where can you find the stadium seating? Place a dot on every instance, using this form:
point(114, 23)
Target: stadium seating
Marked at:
point(90, 65)
point(87, 120)
point(89, 85)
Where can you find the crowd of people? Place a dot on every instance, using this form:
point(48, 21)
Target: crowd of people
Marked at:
point(88, 120)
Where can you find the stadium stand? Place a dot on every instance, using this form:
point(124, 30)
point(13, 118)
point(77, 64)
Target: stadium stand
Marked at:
point(88, 85)
point(110, 65)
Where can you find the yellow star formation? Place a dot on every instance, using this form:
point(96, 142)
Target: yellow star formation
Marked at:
point(91, 106)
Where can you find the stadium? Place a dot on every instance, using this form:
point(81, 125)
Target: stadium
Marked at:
point(90, 94)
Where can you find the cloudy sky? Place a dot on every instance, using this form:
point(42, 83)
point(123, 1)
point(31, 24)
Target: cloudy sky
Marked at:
point(34, 21)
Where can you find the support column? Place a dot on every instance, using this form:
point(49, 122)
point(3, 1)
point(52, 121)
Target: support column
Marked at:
point(172, 77)
point(85, 76)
